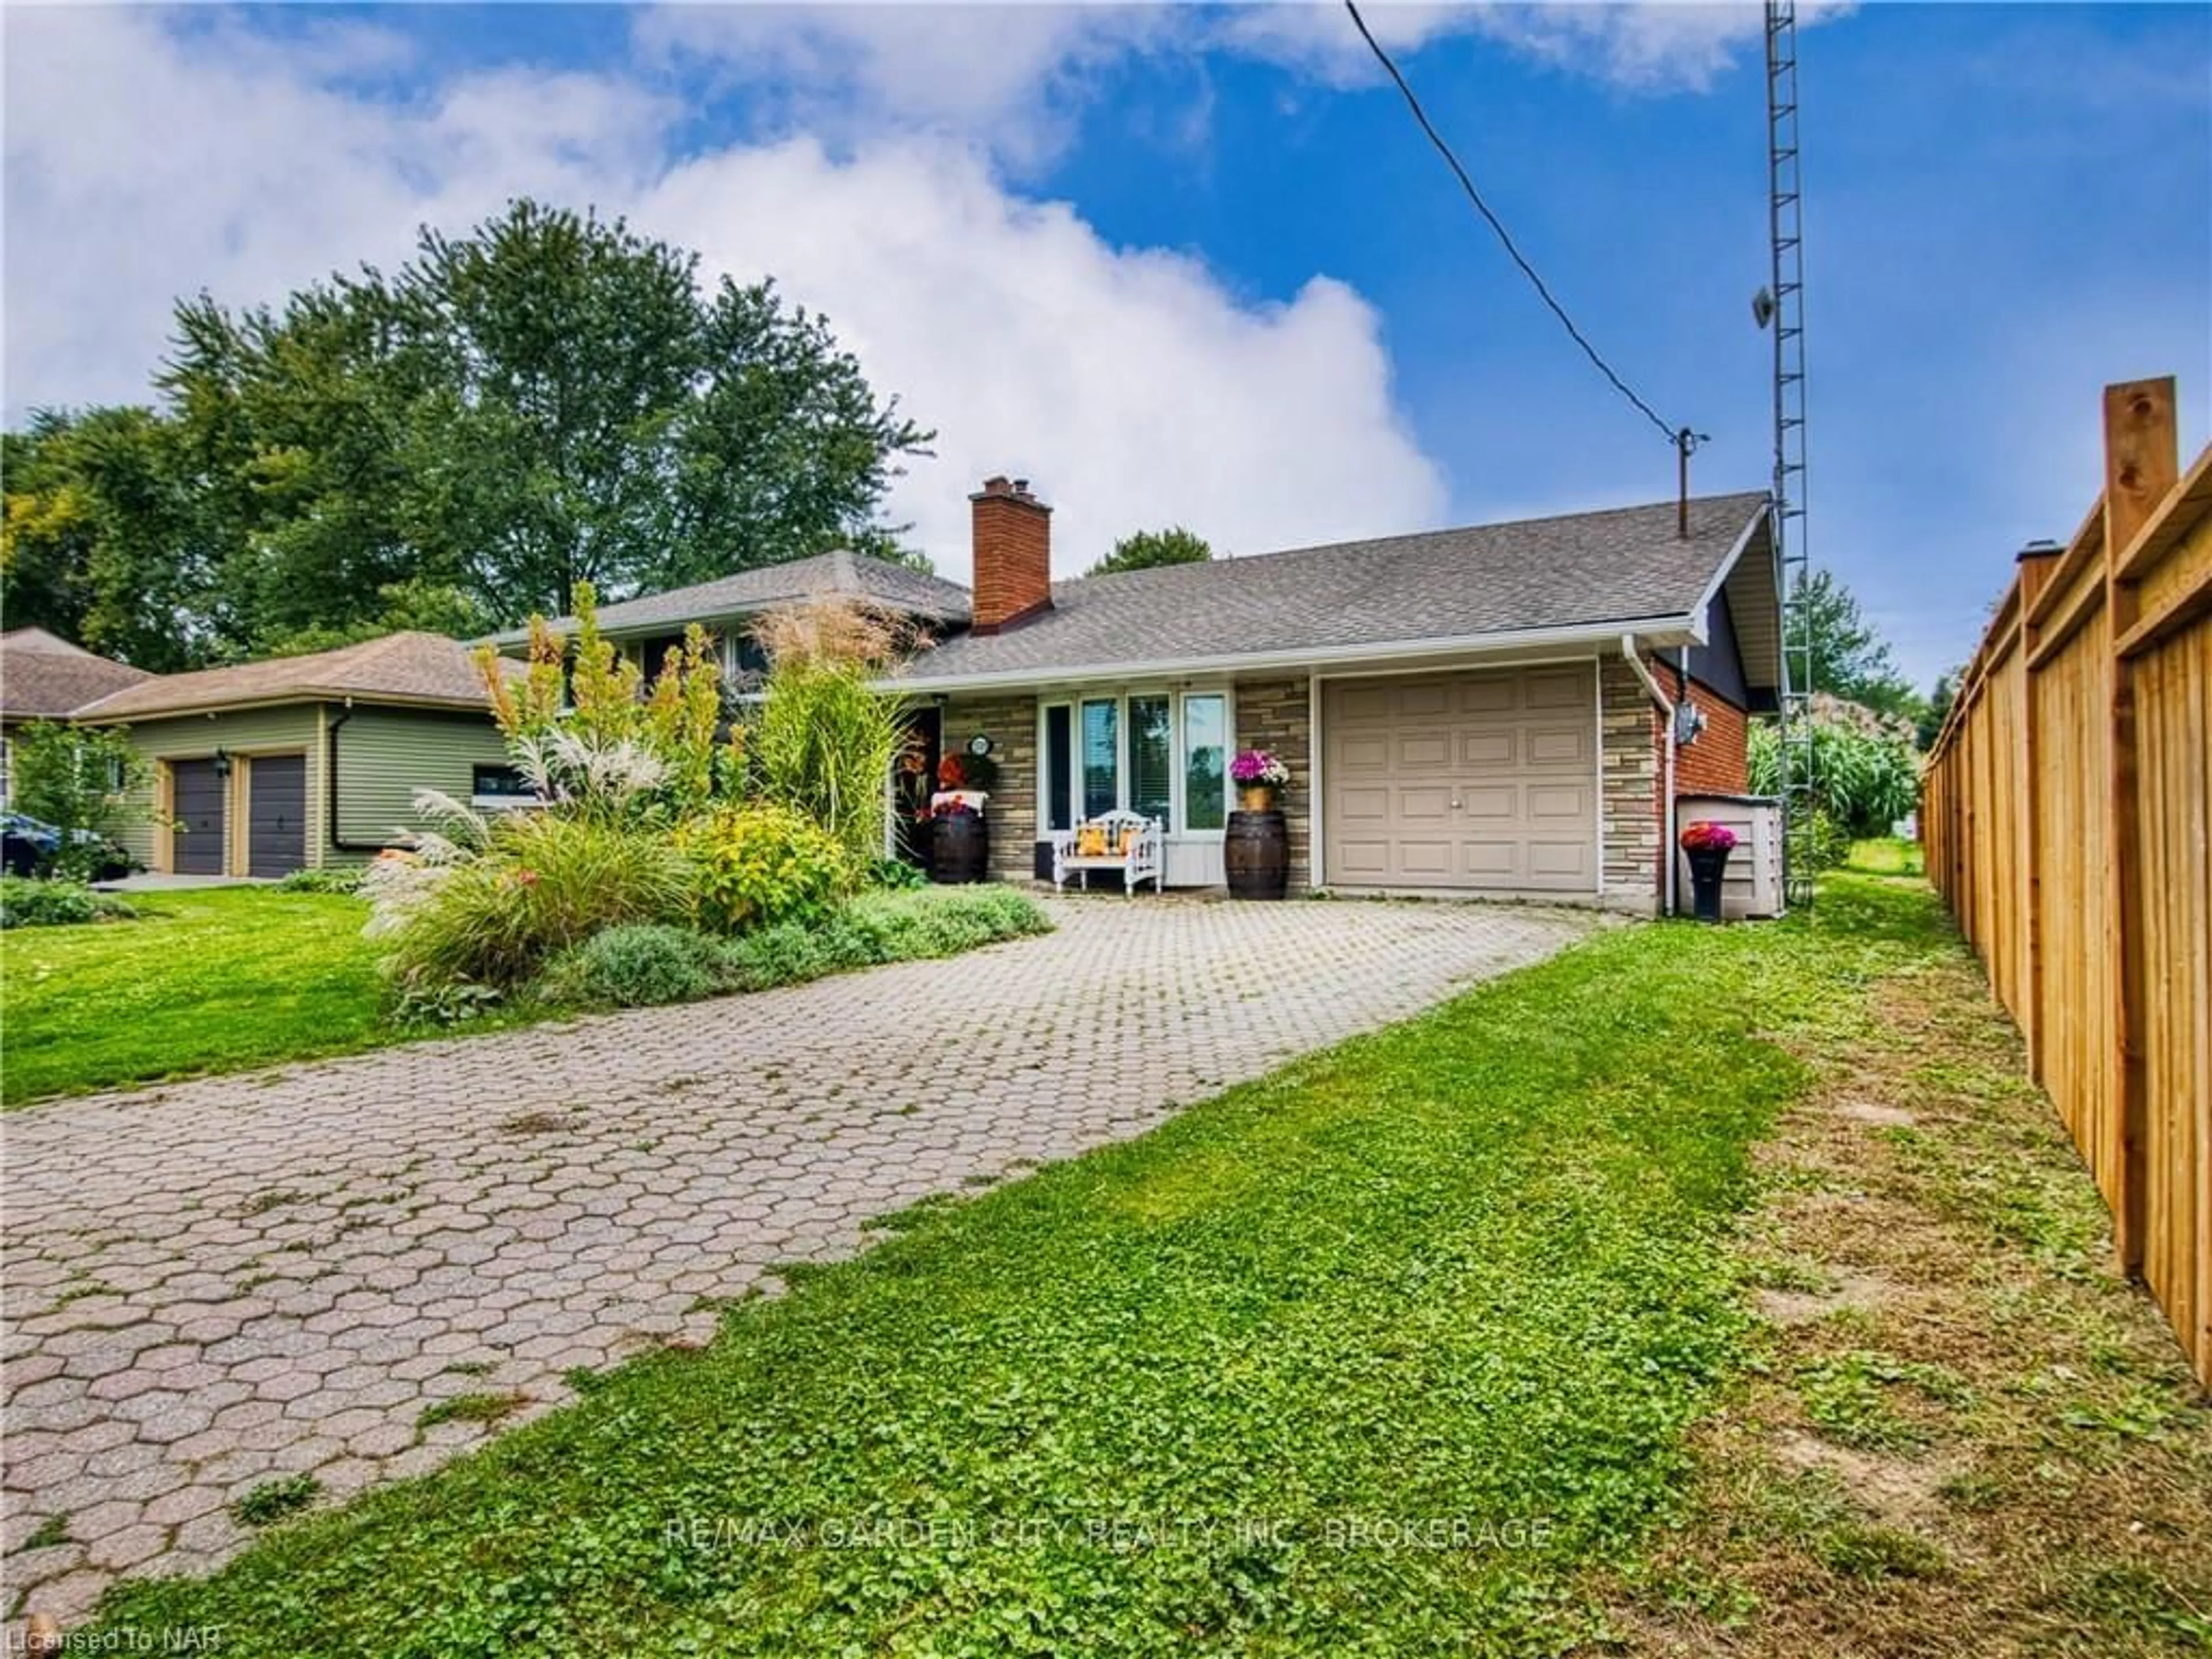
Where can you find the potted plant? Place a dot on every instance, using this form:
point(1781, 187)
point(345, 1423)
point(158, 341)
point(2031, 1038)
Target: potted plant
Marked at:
point(960, 844)
point(1256, 853)
point(1707, 847)
point(1258, 773)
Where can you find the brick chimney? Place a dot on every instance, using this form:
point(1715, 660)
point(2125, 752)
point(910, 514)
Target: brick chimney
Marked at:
point(1013, 554)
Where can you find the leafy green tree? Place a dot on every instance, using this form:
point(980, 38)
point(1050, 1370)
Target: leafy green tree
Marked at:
point(103, 542)
point(547, 400)
point(1148, 549)
point(1937, 707)
point(87, 781)
point(1850, 660)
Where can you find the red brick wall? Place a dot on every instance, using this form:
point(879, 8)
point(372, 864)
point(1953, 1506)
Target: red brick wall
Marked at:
point(1013, 554)
point(1719, 762)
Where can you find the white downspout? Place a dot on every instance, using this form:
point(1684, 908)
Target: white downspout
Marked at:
point(1666, 710)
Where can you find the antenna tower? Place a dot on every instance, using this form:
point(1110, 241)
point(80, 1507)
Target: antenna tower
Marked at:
point(1785, 220)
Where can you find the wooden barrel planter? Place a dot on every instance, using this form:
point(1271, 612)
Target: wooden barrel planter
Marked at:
point(1256, 855)
point(960, 849)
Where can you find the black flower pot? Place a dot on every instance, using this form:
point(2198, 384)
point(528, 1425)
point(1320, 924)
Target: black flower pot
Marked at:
point(1707, 866)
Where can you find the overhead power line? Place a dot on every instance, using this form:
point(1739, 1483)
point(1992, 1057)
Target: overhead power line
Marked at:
point(1680, 437)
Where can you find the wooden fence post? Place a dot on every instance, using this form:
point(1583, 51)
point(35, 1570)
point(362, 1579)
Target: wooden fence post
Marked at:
point(2142, 462)
point(2035, 567)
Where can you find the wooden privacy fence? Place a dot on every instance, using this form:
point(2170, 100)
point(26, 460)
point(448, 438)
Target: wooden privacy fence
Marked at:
point(2066, 823)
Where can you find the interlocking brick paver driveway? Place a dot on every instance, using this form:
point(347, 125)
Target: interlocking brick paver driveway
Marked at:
point(213, 1283)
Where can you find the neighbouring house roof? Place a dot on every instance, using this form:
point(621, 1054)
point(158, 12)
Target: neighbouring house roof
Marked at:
point(1587, 571)
point(426, 669)
point(44, 677)
point(853, 575)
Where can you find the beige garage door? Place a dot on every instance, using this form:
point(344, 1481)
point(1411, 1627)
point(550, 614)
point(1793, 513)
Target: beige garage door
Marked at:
point(1481, 781)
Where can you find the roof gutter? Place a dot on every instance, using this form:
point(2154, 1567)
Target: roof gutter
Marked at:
point(93, 715)
point(1665, 630)
point(1666, 707)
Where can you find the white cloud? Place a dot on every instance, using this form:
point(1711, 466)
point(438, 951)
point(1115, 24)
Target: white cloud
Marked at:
point(1127, 384)
point(147, 158)
point(1013, 75)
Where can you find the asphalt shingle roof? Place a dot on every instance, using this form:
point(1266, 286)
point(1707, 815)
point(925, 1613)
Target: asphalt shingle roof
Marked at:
point(1585, 570)
point(403, 668)
point(856, 575)
point(44, 677)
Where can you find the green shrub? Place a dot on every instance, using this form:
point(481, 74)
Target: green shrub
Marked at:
point(334, 878)
point(879, 927)
point(493, 913)
point(87, 781)
point(759, 865)
point(1815, 841)
point(636, 965)
point(896, 874)
point(1865, 766)
point(26, 901)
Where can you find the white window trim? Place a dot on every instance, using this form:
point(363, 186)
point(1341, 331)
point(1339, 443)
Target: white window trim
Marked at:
point(1178, 758)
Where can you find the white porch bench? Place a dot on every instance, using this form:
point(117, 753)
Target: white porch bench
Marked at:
point(1122, 841)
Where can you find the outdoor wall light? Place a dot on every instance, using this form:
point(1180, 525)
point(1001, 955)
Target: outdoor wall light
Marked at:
point(222, 762)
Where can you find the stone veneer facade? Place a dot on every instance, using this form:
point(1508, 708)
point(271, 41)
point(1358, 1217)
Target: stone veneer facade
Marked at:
point(1631, 812)
point(1010, 720)
point(1278, 714)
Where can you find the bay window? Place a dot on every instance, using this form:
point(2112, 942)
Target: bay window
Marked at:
point(1164, 754)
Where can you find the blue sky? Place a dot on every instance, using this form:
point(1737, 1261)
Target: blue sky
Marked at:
point(1197, 264)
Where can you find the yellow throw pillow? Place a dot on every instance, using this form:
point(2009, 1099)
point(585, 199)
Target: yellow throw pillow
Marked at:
point(1128, 840)
point(1090, 842)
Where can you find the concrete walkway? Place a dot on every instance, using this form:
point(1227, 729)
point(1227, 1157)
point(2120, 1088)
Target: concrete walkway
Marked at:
point(213, 1283)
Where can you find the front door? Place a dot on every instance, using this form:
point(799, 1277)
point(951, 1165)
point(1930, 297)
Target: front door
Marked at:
point(200, 833)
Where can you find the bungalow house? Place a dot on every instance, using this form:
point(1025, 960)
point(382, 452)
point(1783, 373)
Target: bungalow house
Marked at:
point(296, 763)
point(1507, 710)
point(44, 678)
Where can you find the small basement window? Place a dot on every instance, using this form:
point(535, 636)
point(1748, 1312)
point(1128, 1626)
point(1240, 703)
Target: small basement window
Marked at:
point(499, 789)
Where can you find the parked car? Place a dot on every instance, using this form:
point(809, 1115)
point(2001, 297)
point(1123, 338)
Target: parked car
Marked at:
point(28, 845)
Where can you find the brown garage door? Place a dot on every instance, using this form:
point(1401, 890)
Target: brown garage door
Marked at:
point(277, 816)
point(196, 797)
point(1477, 781)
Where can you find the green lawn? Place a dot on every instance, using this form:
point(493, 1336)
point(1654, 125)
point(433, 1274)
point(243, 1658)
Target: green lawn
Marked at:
point(1885, 855)
point(1467, 1276)
point(219, 979)
point(207, 980)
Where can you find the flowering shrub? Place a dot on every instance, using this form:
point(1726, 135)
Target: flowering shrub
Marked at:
point(586, 692)
point(757, 865)
point(1703, 837)
point(1254, 767)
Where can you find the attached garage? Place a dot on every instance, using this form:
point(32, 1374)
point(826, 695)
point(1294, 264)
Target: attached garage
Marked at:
point(198, 796)
point(277, 814)
point(1480, 781)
